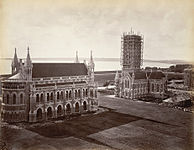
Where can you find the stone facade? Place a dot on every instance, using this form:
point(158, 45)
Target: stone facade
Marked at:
point(134, 82)
point(32, 99)
point(140, 84)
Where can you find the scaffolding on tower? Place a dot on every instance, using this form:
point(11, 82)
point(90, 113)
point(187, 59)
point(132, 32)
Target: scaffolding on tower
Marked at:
point(131, 50)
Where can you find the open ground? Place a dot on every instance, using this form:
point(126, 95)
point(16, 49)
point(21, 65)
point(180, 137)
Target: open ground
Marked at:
point(123, 124)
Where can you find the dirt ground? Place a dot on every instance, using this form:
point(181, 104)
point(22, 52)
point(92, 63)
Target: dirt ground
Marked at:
point(123, 124)
point(83, 126)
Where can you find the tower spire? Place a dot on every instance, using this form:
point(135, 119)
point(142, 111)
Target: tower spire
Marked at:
point(91, 66)
point(76, 58)
point(116, 76)
point(15, 63)
point(15, 59)
point(28, 60)
point(91, 63)
point(91, 57)
point(28, 66)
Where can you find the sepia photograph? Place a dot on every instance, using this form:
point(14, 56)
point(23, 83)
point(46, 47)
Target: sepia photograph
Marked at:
point(96, 75)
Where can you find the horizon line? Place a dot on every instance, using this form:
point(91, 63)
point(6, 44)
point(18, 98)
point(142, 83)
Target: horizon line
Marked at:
point(173, 61)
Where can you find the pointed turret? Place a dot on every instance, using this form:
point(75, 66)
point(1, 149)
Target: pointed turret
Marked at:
point(28, 60)
point(91, 68)
point(28, 66)
point(91, 63)
point(15, 63)
point(76, 58)
point(117, 76)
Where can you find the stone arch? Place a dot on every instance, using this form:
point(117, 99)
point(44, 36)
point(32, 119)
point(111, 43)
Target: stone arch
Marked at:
point(8, 98)
point(22, 98)
point(14, 98)
point(37, 98)
point(58, 95)
point(66, 95)
point(91, 93)
point(48, 96)
point(79, 93)
point(39, 115)
point(68, 108)
point(62, 95)
point(42, 97)
point(52, 96)
point(70, 94)
point(49, 112)
point(84, 105)
point(75, 94)
point(76, 106)
point(84, 94)
point(59, 110)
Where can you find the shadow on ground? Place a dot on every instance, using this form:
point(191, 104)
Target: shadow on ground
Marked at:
point(83, 126)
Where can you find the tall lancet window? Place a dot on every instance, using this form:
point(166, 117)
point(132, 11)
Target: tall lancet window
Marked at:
point(14, 98)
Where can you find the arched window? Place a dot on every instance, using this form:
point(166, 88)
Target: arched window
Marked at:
point(86, 92)
point(91, 93)
point(75, 94)
point(52, 97)
point(84, 105)
point(57, 95)
point(66, 95)
point(21, 98)
point(59, 111)
point(14, 98)
point(77, 107)
point(69, 94)
point(7, 98)
point(61, 94)
point(79, 93)
point(47, 96)
point(68, 108)
point(126, 83)
point(39, 114)
point(41, 97)
point(49, 112)
point(37, 98)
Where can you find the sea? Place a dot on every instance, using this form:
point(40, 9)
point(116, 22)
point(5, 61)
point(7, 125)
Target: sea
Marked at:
point(100, 65)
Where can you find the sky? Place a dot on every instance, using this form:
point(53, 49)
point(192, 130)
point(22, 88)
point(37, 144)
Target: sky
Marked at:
point(59, 28)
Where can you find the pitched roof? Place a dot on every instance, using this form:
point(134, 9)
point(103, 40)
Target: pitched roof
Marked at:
point(150, 75)
point(140, 75)
point(41, 70)
point(17, 76)
point(156, 75)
